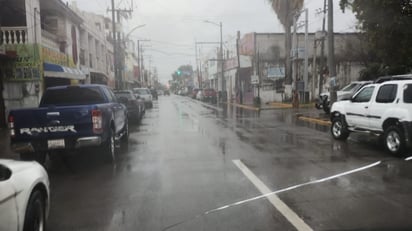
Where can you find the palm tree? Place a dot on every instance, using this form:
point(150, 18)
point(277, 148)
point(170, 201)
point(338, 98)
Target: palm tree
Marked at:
point(285, 9)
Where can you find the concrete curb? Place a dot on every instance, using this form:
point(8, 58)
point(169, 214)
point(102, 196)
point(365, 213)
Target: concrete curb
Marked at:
point(244, 106)
point(288, 105)
point(315, 120)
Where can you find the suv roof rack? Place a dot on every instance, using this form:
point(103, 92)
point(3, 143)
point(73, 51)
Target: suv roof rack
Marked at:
point(393, 77)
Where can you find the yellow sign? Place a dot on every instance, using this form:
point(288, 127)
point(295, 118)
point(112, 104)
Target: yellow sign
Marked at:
point(56, 57)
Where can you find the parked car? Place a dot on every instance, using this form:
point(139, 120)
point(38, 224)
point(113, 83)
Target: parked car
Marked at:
point(346, 92)
point(199, 95)
point(135, 106)
point(145, 94)
point(68, 118)
point(381, 109)
point(210, 95)
point(194, 93)
point(24, 196)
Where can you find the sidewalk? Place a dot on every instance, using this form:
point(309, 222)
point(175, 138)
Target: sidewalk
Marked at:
point(307, 112)
point(271, 106)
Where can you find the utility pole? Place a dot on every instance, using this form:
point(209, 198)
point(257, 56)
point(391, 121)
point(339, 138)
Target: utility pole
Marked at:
point(331, 54)
point(115, 57)
point(238, 81)
point(140, 58)
point(197, 65)
point(322, 49)
point(138, 61)
point(305, 72)
point(117, 43)
point(221, 57)
point(295, 94)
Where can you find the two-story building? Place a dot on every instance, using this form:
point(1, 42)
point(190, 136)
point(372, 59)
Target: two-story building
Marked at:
point(45, 43)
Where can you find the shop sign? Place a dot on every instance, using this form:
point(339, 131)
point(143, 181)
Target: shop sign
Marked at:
point(56, 57)
point(26, 64)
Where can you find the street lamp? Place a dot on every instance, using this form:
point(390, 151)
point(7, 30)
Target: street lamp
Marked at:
point(133, 29)
point(121, 55)
point(221, 47)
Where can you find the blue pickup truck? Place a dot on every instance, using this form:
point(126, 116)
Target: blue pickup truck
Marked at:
point(69, 118)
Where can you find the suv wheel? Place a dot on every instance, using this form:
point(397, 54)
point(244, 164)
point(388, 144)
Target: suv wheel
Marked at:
point(394, 140)
point(339, 129)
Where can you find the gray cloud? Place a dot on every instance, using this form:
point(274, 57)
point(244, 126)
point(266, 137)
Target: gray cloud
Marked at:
point(174, 25)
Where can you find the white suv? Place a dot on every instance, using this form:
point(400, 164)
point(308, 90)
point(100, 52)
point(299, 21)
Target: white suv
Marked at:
point(383, 109)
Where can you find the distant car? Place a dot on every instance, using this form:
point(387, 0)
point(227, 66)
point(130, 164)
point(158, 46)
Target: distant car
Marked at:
point(194, 93)
point(146, 95)
point(167, 92)
point(210, 95)
point(24, 195)
point(199, 95)
point(135, 106)
point(160, 92)
point(345, 93)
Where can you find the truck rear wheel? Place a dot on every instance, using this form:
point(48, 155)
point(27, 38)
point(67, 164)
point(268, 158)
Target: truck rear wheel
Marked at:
point(109, 147)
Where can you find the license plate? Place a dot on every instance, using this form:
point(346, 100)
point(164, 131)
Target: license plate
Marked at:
point(54, 144)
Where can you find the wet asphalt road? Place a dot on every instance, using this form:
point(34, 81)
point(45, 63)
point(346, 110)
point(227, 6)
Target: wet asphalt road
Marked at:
point(179, 165)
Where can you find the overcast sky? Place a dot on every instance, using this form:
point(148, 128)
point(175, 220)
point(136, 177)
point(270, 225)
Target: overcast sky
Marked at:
point(173, 26)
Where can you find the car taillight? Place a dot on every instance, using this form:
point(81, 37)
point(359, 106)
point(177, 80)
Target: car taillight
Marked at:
point(11, 126)
point(97, 121)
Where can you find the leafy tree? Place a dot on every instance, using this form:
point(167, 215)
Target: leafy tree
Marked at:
point(386, 26)
point(285, 9)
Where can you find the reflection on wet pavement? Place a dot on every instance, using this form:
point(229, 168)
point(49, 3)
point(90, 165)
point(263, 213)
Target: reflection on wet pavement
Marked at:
point(178, 163)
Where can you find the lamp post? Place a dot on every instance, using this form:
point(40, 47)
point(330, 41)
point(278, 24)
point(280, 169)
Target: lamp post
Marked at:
point(121, 55)
point(221, 51)
point(132, 30)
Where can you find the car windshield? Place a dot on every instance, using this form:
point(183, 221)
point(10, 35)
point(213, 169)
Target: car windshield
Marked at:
point(142, 91)
point(241, 115)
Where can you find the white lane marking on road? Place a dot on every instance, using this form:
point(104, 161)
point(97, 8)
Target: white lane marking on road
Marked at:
point(267, 195)
point(287, 212)
point(293, 218)
point(409, 158)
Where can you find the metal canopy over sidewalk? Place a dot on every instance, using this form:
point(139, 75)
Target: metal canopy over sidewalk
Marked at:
point(59, 71)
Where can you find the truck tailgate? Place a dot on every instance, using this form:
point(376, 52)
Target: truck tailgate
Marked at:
point(52, 122)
